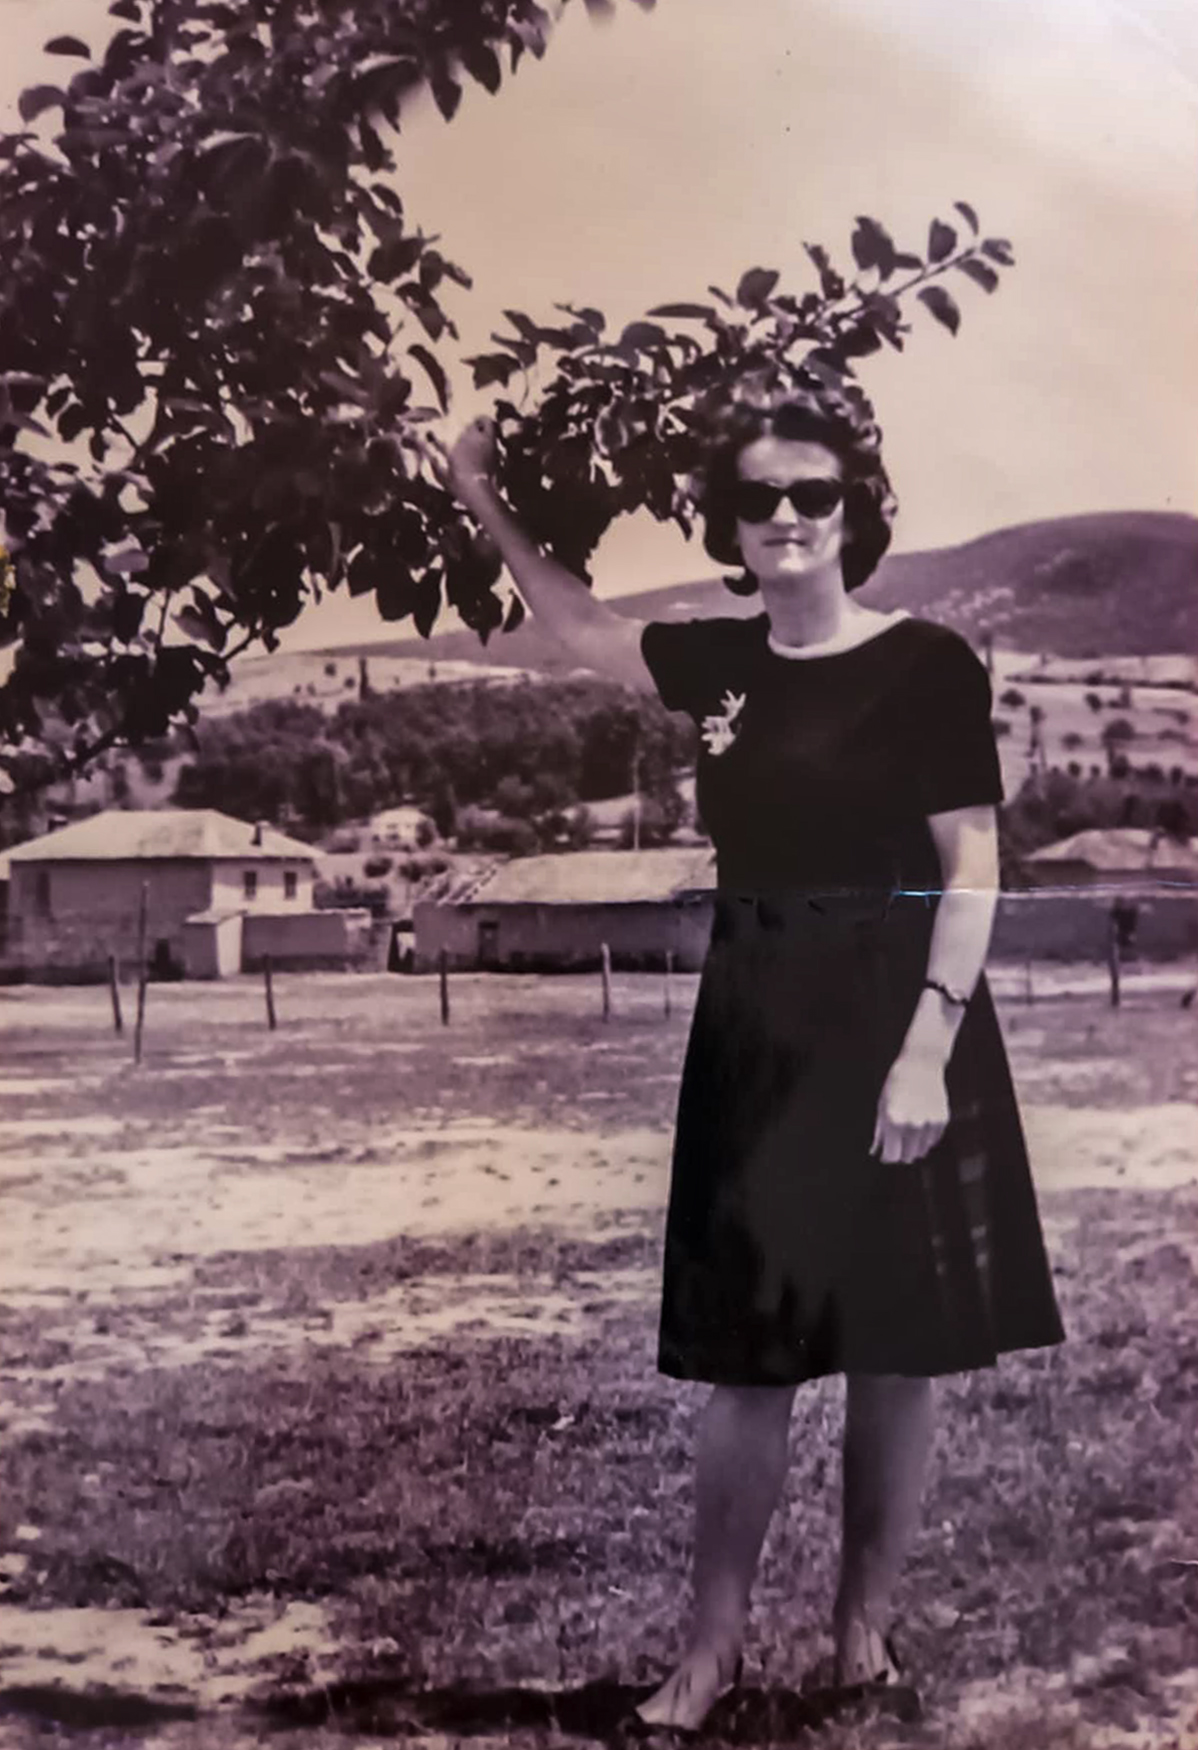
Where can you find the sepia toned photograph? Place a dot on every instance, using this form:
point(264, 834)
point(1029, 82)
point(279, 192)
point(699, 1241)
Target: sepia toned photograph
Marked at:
point(598, 874)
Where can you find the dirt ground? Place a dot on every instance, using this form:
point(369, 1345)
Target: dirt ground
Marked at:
point(328, 1402)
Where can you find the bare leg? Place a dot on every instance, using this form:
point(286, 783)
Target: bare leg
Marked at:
point(887, 1440)
point(741, 1467)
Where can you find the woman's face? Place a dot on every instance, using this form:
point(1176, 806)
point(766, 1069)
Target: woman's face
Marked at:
point(791, 543)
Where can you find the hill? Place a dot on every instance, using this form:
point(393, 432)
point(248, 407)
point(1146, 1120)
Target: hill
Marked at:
point(1116, 584)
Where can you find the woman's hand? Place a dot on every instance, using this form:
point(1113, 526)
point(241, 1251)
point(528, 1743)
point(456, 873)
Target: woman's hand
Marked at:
point(912, 1109)
point(472, 458)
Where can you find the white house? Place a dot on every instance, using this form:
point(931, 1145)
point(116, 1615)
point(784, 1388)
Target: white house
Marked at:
point(75, 894)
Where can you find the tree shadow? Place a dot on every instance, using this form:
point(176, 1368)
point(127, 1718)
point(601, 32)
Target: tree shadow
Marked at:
point(602, 1710)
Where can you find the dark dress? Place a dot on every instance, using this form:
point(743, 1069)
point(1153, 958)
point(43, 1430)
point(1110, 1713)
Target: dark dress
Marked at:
point(791, 1252)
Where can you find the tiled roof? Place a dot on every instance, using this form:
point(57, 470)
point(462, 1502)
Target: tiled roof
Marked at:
point(1120, 849)
point(120, 835)
point(599, 877)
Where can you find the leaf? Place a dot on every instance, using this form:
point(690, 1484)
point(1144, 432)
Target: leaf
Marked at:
point(435, 373)
point(447, 93)
point(390, 261)
point(199, 625)
point(392, 591)
point(71, 422)
point(908, 262)
point(831, 283)
point(127, 563)
point(998, 249)
point(873, 247)
point(68, 45)
point(515, 614)
point(457, 274)
point(685, 312)
point(942, 240)
point(493, 367)
point(942, 306)
point(482, 63)
point(640, 335)
point(755, 287)
point(859, 341)
point(968, 214)
point(37, 99)
point(427, 605)
point(125, 9)
point(980, 273)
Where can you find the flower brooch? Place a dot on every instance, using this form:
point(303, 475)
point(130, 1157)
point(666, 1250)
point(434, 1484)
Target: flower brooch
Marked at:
point(719, 730)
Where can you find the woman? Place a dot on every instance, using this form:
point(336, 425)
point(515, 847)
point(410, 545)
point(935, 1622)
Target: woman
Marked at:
point(850, 1189)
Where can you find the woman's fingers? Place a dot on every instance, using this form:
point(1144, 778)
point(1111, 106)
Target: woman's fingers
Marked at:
point(901, 1144)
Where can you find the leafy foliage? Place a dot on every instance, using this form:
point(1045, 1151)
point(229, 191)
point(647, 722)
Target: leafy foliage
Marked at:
point(218, 351)
point(621, 422)
point(224, 344)
point(528, 754)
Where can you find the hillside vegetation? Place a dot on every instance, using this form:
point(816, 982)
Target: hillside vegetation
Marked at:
point(1118, 584)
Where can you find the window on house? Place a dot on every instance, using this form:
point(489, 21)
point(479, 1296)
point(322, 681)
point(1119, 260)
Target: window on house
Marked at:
point(250, 883)
point(290, 884)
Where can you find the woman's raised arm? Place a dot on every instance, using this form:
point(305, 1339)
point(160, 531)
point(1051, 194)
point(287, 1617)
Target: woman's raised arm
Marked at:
point(593, 633)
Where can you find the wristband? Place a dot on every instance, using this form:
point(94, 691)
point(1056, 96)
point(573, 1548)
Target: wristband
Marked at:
point(955, 997)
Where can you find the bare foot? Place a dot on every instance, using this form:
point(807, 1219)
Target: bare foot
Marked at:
point(862, 1656)
point(691, 1691)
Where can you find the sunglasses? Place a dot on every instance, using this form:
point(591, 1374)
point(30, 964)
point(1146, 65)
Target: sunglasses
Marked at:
point(756, 501)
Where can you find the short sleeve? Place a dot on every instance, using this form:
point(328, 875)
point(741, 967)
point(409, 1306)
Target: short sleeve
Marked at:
point(680, 655)
point(956, 758)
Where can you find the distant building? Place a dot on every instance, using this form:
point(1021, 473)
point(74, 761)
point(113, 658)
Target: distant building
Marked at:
point(1141, 884)
point(554, 913)
point(1117, 855)
point(402, 829)
point(220, 894)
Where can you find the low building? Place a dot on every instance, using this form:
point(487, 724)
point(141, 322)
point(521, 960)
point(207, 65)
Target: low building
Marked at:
point(1142, 886)
point(555, 913)
point(219, 893)
point(1115, 856)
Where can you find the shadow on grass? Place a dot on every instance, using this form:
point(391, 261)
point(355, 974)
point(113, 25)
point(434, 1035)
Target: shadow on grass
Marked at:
point(91, 1710)
point(603, 1710)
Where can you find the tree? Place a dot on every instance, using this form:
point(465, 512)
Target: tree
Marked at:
point(214, 295)
point(219, 338)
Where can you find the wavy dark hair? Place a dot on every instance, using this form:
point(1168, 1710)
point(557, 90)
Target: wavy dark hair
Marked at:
point(835, 414)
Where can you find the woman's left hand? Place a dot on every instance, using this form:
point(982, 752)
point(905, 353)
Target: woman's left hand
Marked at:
point(912, 1109)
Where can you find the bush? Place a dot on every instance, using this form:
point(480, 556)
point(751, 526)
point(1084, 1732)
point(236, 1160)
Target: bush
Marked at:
point(580, 828)
point(376, 866)
point(479, 829)
point(1012, 698)
point(330, 668)
point(1094, 701)
point(1119, 729)
point(1001, 727)
point(1072, 740)
point(347, 895)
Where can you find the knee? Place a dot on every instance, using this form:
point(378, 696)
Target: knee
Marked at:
point(761, 1408)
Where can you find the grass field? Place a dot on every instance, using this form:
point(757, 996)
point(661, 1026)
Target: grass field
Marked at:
point(328, 1411)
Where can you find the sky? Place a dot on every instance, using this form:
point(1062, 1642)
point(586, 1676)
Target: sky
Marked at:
point(644, 159)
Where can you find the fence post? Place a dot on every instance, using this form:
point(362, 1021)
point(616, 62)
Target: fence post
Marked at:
point(443, 971)
point(605, 974)
point(143, 970)
point(669, 1005)
point(272, 1019)
point(1112, 960)
point(114, 985)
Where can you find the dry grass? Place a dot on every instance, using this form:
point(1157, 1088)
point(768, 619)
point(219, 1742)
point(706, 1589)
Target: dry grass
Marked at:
point(494, 1528)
